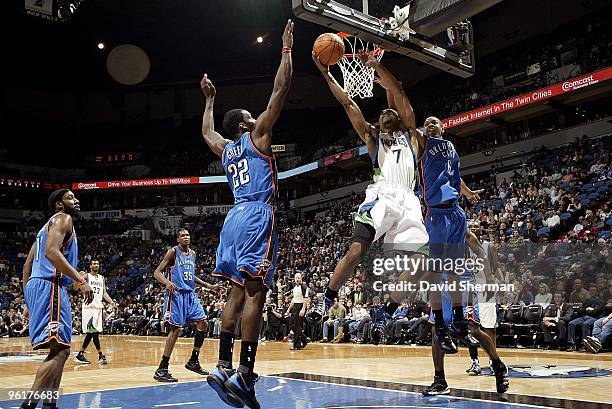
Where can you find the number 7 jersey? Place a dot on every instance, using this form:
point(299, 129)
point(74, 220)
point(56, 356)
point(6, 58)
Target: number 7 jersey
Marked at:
point(251, 174)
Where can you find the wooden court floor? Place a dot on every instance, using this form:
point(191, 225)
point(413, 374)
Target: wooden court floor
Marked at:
point(133, 359)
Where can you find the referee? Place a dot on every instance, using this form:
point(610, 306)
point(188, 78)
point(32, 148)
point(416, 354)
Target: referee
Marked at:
point(299, 304)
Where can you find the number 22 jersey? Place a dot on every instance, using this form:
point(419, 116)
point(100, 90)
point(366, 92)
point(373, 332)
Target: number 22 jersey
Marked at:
point(252, 175)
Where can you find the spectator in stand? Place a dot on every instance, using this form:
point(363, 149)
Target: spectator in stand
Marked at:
point(593, 307)
point(544, 297)
point(580, 294)
point(602, 331)
point(556, 317)
point(396, 323)
point(337, 313)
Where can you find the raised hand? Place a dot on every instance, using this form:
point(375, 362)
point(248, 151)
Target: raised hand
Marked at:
point(323, 68)
point(288, 34)
point(367, 59)
point(207, 87)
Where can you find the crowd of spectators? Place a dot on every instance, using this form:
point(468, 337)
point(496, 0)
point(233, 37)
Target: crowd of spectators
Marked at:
point(550, 221)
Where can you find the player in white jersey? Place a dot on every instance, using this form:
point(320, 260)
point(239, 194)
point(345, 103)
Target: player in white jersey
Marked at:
point(481, 310)
point(391, 207)
point(92, 313)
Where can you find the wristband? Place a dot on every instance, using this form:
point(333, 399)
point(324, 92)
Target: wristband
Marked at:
point(286, 50)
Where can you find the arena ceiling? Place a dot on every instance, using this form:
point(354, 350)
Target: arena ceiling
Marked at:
point(182, 39)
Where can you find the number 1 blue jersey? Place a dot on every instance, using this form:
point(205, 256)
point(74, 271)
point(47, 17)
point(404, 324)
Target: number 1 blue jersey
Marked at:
point(251, 174)
point(182, 273)
point(42, 267)
point(440, 175)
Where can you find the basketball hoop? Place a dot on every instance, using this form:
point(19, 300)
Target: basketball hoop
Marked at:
point(358, 79)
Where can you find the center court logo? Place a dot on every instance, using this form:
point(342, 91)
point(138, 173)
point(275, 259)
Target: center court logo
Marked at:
point(553, 371)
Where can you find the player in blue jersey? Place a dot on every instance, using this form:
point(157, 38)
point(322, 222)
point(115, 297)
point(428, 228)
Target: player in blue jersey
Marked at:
point(249, 241)
point(48, 271)
point(446, 224)
point(181, 304)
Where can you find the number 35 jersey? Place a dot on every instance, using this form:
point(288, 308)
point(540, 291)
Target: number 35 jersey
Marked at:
point(251, 174)
point(182, 273)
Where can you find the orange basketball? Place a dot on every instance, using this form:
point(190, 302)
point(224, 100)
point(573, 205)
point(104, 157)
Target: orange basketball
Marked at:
point(329, 48)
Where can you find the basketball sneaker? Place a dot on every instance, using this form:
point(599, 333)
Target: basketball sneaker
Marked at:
point(438, 387)
point(164, 375)
point(80, 359)
point(242, 386)
point(459, 330)
point(217, 380)
point(194, 366)
point(445, 341)
point(501, 377)
point(474, 370)
point(321, 308)
point(102, 360)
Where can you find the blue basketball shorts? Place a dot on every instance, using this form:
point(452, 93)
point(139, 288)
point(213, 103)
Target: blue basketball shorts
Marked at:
point(50, 314)
point(248, 245)
point(182, 307)
point(447, 228)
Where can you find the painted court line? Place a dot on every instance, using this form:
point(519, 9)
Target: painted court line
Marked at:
point(164, 405)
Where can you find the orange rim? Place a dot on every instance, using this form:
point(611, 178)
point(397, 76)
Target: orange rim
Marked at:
point(376, 51)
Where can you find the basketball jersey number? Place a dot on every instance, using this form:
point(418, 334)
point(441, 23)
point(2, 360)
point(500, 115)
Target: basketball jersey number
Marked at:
point(398, 152)
point(187, 276)
point(96, 290)
point(240, 175)
point(38, 241)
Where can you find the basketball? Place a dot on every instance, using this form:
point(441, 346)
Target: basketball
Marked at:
point(329, 48)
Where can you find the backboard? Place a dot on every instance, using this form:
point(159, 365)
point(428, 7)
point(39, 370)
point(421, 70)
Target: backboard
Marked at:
point(430, 31)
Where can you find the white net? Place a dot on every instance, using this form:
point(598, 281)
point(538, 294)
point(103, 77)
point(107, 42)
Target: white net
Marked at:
point(358, 79)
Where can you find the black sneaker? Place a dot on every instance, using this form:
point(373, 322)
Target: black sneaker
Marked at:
point(438, 387)
point(102, 360)
point(501, 377)
point(321, 308)
point(194, 366)
point(459, 330)
point(163, 375)
point(217, 380)
point(242, 386)
point(80, 359)
point(305, 342)
point(445, 341)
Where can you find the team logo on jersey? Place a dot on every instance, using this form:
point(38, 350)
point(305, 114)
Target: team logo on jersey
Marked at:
point(554, 371)
point(265, 265)
point(53, 327)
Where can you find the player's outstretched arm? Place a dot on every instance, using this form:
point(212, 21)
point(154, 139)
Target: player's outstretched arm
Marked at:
point(262, 134)
point(214, 140)
point(59, 228)
point(27, 266)
point(472, 195)
point(363, 128)
point(394, 87)
point(158, 273)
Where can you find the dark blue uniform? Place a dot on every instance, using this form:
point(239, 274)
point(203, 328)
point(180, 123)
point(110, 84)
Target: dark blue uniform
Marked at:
point(182, 306)
point(249, 240)
point(46, 293)
point(445, 220)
